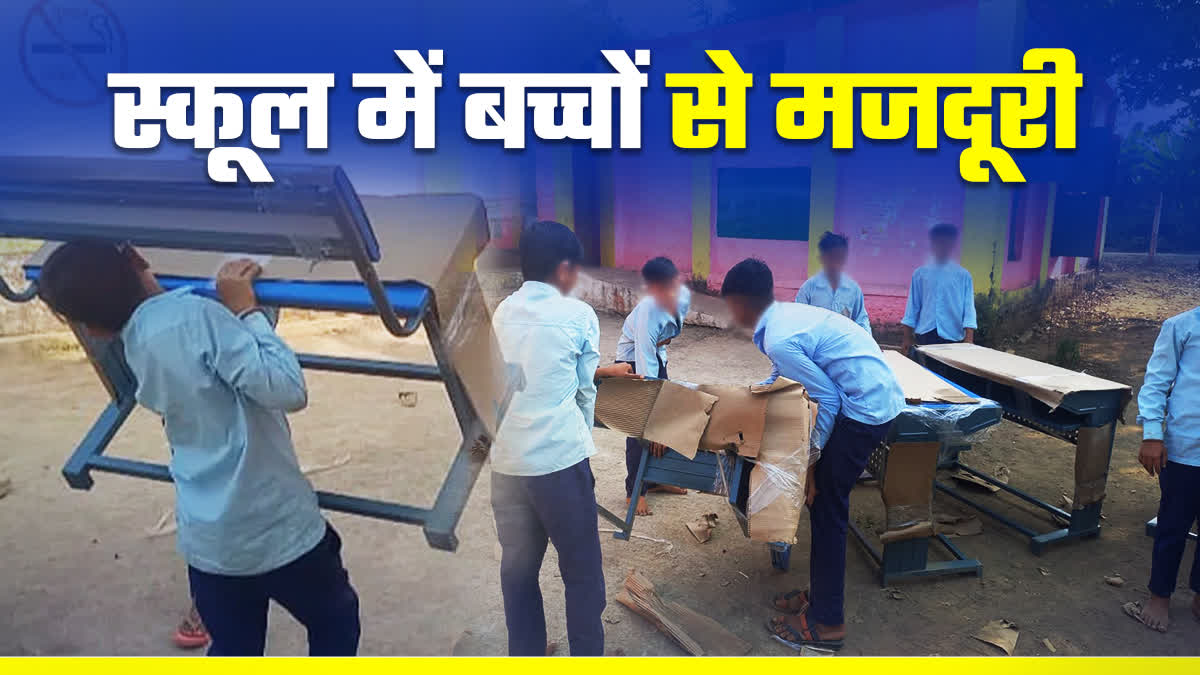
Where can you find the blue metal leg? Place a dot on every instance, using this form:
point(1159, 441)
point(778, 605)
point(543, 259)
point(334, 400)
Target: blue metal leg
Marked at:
point(781, 555)
point(1152, 527)
point(631, 513)
point(77, 470)
point(909, 559)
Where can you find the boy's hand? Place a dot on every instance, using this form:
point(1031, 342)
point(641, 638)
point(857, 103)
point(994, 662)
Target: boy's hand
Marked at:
point(969, 336)
point(657, 449)
point(234, 284)
point(618, 370)
point(810, 486)
point(1153, 456)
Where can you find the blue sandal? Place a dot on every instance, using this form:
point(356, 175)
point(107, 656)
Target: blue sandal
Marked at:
point(807, 636)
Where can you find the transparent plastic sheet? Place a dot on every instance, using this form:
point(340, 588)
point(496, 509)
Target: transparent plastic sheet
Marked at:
point(950, 423)
point(785, 478)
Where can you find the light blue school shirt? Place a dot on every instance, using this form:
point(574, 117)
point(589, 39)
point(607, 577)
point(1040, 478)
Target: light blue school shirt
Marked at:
point(645, 327)
point(846, 299)
point(837, 362)
point(554, 339)
point(942, 298)
point(222, 386)
point(1169, 401)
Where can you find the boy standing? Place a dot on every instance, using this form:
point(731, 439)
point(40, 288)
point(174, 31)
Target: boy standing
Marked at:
point(1170, 419)
point(542, 483)
point(858, 396)
point(941, 299)
point(223, 382)
point(654, 322)
point(831, 288)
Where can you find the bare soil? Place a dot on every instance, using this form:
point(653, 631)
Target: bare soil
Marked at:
point(82, 575)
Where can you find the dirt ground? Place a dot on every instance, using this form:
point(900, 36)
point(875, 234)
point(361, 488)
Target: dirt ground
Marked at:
point(83, 575)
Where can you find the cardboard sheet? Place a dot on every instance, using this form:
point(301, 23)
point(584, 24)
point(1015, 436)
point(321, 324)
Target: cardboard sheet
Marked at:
point(777, 481)
point(738, 420)
point(907, 485)
point(1047, 383)
point(920, 385)
point(655, 410)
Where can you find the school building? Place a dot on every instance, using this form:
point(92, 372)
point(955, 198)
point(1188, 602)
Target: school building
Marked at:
point(709, 209)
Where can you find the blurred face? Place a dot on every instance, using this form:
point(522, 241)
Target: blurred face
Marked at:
point(566, 275)
point(942, 247)
point(834, 262)
point(744, 311)
point(665, 294)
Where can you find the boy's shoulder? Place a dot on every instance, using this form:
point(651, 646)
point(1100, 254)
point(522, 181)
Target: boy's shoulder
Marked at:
point(175, 306)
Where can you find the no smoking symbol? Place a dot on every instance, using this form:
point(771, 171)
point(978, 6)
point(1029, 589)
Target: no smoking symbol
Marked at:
point(68, 47)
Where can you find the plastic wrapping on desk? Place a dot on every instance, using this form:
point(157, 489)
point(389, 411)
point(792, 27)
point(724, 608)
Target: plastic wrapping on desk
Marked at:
point(955, 422)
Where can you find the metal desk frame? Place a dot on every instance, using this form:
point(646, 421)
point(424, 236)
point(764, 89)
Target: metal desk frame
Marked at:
point(437, 521)
point(897, 560)
point(1081, 409)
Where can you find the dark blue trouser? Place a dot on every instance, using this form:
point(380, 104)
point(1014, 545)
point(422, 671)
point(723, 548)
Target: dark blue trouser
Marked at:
point(842, 461)
point(634, 447)
point(1178, 509)
point(558, 508)
point(314, 588)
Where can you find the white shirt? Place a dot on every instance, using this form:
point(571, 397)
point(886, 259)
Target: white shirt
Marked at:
point(554, 339)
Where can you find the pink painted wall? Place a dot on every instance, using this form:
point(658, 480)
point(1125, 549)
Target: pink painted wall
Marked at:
point(652, 211)
point(1030, 216)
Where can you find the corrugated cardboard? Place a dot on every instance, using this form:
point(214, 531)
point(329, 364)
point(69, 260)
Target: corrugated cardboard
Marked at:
point(777, 482)
point(1043, 381)
point(771, 424)
point(659, 411)
point(738, 420)
point(907, 486)
point(919, 384)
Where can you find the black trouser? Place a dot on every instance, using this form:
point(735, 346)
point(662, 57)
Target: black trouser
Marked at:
point(634, 447)
point(1178, 509)
point(530, 512)
point(314, 588)
point(932, 338)
point(842, 461)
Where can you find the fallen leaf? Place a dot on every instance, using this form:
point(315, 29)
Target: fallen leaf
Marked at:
point(1000, 633)
point(702, 528)
point(1115, 580)
point(1045, 572)
point(408, 399)
point(1049, 645)
point(612, 619)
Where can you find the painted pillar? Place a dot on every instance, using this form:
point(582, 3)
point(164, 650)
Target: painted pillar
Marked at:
point(827, 47)
point(987, 207)
point(1051, 197)
point(702, 201)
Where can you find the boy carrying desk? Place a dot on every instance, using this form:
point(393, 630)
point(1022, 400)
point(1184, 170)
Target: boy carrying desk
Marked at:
point(223, 383)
